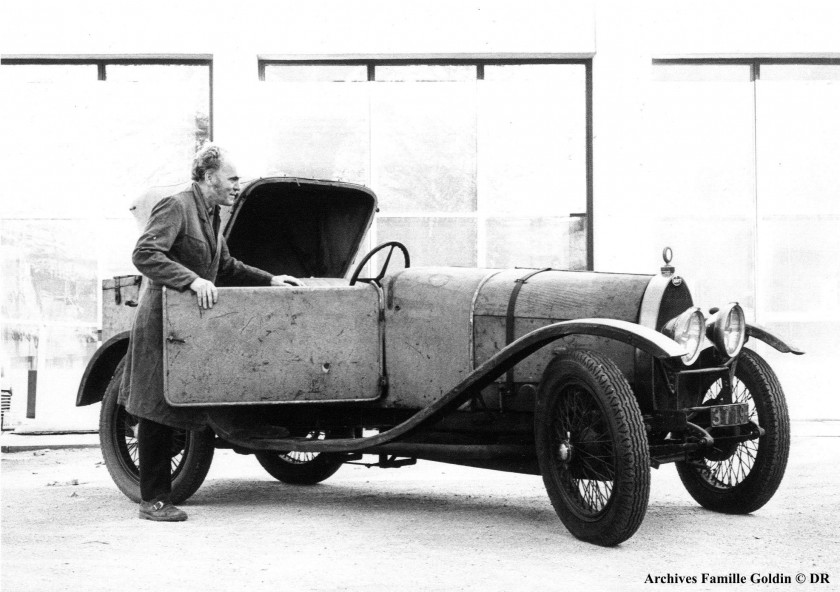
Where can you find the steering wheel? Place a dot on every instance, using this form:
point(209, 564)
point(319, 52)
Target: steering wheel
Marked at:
point(393, 245)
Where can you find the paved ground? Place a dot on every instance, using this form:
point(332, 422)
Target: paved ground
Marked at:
point(428, 527)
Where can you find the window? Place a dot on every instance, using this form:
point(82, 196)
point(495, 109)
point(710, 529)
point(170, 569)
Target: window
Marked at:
point(81, 138)
point(475, 163)
point(749, 148)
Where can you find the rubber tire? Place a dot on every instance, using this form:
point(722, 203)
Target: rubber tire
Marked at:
point(599, 377)
point(320, 468)
point(773, 447)
point(193, 468)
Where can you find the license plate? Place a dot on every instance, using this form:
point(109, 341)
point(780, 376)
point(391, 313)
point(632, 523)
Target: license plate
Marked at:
point(729, 415)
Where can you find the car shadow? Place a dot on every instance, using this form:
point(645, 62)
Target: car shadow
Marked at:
point(363, 497)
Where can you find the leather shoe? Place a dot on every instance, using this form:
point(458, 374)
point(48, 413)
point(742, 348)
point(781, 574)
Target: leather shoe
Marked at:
point(161, 511)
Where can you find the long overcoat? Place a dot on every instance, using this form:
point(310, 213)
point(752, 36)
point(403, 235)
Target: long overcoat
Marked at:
point(177, 246)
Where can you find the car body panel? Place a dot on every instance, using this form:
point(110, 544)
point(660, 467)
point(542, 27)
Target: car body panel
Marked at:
point(427, 333)
point(273, 345)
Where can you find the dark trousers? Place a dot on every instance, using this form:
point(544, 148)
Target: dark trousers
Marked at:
point(154, 442)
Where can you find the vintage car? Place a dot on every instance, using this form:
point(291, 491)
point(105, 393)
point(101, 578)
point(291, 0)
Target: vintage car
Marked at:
point(587, 379)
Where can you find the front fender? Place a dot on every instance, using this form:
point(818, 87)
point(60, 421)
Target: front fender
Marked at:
point(644, 338)
point(101, 368)
point(774, 341)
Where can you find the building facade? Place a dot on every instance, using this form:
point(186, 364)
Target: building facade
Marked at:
point(585, 135)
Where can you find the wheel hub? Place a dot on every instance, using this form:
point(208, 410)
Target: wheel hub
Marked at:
point(564, 451)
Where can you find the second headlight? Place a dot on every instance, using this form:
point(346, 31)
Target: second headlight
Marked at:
point(727, 329)
point(687, 330)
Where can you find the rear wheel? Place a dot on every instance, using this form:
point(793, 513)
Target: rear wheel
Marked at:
point(592, 448)
point(301, 468)
point(192, 450)
point(740, 478)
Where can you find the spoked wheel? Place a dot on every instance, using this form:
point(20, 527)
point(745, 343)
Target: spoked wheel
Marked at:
point(592, 448)
point(741, 477)
point(301, 468)
point(192, 450)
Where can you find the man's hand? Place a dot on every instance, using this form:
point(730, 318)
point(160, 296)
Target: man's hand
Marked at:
point(286, 280)
point(205, 291)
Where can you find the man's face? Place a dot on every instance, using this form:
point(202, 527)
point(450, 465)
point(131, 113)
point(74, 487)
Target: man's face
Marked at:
point(224, 185)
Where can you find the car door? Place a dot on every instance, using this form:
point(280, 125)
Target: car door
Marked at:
point(318, 343)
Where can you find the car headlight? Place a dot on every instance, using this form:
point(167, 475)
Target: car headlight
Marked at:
point(687, 330)
point(727, 330)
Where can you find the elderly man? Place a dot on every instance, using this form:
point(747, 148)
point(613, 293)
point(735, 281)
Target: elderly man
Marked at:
point(181, 247)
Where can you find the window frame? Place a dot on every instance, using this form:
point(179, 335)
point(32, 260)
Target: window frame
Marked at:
point(479, 61)
point(103, 61)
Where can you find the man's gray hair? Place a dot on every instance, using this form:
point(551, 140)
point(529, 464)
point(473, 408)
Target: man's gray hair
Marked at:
point(209, 158)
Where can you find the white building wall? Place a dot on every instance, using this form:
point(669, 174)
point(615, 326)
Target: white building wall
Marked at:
point(623, 37)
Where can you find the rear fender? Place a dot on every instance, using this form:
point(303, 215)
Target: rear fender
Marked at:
point(101, 368)
point(650, 341)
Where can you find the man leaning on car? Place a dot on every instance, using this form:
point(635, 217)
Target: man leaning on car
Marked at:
point(181, 247)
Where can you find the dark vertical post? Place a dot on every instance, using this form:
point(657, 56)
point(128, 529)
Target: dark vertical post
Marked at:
point(210, 114)
point(30, 394)
point(590, 186)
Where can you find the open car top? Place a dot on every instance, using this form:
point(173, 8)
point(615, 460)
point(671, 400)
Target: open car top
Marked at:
point(300, 227)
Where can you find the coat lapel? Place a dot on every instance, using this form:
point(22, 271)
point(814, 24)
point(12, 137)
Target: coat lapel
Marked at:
point(206, 223)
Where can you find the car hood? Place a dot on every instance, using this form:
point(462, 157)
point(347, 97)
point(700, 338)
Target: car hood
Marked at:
point(300, 227)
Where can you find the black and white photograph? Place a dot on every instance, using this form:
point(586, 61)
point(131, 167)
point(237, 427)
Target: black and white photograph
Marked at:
point(369, 295)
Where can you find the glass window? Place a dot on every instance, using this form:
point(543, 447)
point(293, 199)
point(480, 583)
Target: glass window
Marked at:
point(800, 72)
point(444, 151)
point(425, 73)
point(532, 140)
point(19, 73)
point(85, 149)
point(431, 241)
point(536, 242)
point(315, 73)
point(316, 130)
point(702, 72)
point(424, 146)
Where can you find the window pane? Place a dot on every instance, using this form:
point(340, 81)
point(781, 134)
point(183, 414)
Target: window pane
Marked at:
point(532, 142)
point(800, 72)
point(537, 242)
point(703, 72)
point(432, 241)
point(314, 73)
point(48, 122)
point(148, 136)
point(425, 73)
point(85, 150)
point(197, 76)
point(49, 270)
point(798, 147)
point(424, 146)
point(700, 199)
point(136, 135)
point(568, 74)
point(316, 130)
point(17, 73)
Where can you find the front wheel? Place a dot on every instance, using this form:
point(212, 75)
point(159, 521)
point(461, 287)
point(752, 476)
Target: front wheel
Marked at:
point(592, 448)
point(192, 450)
point(741, 478)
